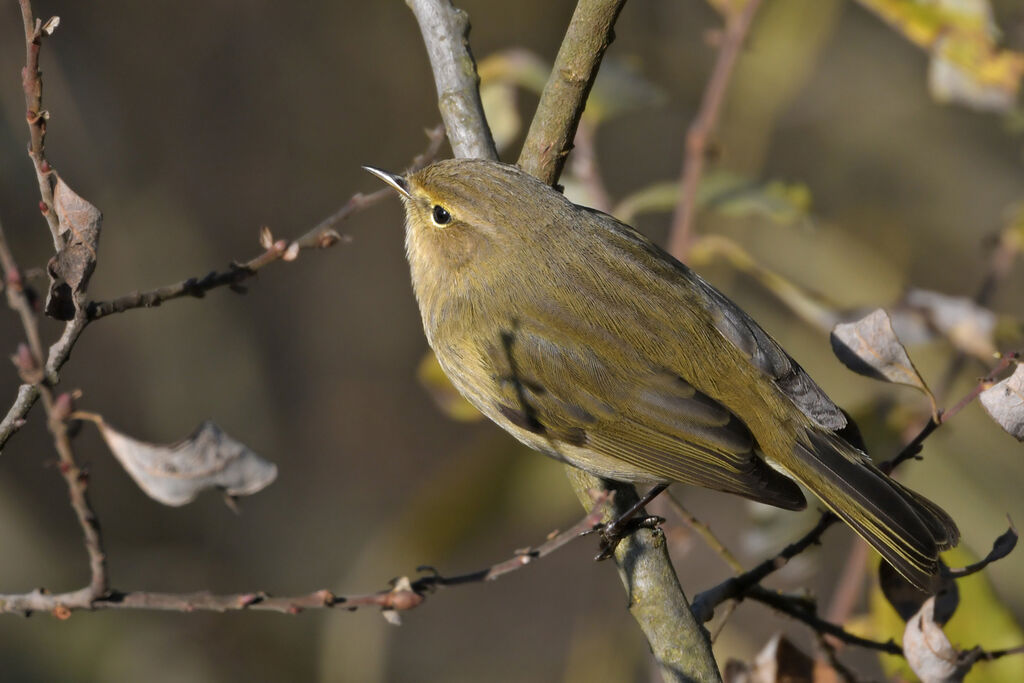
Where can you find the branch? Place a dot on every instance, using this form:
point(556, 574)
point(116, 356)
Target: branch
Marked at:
point(678, 642)
point(36, 116)
point(31, 367)
point(565, 95)
point(445, 32)
point(736, 28)
point(321, 236)
point(704, 604)
point(803, 610)
point(404, 595)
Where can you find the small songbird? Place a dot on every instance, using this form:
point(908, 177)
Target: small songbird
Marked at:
point(587, 342)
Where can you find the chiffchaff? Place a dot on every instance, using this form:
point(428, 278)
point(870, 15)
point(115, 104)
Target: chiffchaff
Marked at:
point(587, 342)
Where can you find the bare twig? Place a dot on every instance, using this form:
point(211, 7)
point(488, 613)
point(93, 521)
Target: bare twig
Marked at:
point(320, 236)
point(32, 372)
point(403, 595)
point(445, 32)
point(803, 610)
point(739, 586)
point(736, 28)
point(561, 103)
point(36, 116)
point(705, 532)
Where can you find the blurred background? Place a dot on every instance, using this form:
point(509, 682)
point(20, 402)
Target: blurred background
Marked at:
point(191, 124)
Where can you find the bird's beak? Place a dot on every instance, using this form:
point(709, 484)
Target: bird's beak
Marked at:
point(395, 181)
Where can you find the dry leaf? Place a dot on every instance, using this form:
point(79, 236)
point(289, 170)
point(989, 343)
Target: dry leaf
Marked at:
point(869, 347)
point(175, 474)
point(1004, 401)
point(72, 266)
point(928, 651)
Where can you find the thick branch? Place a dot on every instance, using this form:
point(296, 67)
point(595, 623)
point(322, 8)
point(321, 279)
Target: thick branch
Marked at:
point(656, 600)
point(561, 104)
point(736, 28)
point(445, 32)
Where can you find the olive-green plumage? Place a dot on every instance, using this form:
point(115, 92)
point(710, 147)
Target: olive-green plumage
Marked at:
point(587, 342)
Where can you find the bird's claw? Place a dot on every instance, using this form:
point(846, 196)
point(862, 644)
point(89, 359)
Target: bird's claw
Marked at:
point(615, 531)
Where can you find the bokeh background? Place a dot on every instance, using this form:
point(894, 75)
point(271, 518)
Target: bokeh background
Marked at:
point(191, 124)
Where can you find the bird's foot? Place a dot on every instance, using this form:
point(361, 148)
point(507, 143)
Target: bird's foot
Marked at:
point(616, 530)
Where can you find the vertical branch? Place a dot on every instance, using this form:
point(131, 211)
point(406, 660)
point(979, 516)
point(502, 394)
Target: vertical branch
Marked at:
point(736, 28)
point(36, 116)
point(679, 643)
point(32, 367)
point(561, 104)
point(445, 32)
point(57, 411)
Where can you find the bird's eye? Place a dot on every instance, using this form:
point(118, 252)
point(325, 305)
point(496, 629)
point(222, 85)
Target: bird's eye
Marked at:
point(441, 215)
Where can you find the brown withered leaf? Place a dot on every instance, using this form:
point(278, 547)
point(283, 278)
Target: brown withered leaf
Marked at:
point(175, 474)
point(71, 267)
point(928, 651)
point(1004, 401)
point(869, 347)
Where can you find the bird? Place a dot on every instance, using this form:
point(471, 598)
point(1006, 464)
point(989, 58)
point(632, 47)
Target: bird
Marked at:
point(586, 341)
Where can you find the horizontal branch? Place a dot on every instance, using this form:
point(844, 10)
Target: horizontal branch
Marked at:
point(802, 609)
point(322, 235)
point(404, 595)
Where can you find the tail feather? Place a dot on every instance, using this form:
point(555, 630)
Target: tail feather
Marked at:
point(907, 529)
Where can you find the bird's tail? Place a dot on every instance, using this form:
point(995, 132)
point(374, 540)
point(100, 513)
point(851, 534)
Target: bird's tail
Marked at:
point(907, 529)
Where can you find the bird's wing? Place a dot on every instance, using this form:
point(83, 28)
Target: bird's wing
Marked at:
point(765, 353)
point(741, 331)
point(653, 421)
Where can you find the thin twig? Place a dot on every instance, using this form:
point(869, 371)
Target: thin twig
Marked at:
point(561, 103)
point(736, 28)
point(403, 596)
point(445, 32)
point(739, 586)
point(320, 236)
point(705, 532)
point(32, 372)
point(802, 609)
point(36, 117)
